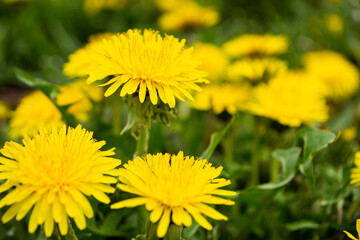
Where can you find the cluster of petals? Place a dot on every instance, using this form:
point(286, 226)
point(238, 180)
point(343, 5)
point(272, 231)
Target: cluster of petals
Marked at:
point(174, 188)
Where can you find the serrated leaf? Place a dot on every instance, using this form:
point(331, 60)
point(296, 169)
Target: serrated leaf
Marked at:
point(314, 141)
point(216, 138)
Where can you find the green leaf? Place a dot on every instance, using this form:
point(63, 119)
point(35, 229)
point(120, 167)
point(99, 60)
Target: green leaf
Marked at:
point(288, 159)
point(302, 224)
point(216, 138)
point(314, 141)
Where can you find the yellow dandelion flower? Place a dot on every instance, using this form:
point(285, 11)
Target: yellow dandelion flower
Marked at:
point(256, 45)
point(291, 99)
point(145, 64)
point(168, 4)
point(79, 95)
point(334, 23)
point(225, 97)
point(79, 61)
point(213, 59)
point(34, 112)
point(255, 69)
point(174, 188)
point(93, 6)
point(188, 15)
point(349, 133)
point(339, 77)
point(4, 111)
point(355, 172)
point(52, 173)
point(357, 229)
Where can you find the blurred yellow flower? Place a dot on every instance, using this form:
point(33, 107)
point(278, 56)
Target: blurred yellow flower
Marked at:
point(80, 60)
point(225, 97)
point(174, 188)
point(169, 4)
point(213, 60)
point(51, 173)
point(189, 14)
point(80, 96)
point(334, 23)
point(256, 45)
point(355, 172)
point(349, 134)
point(93, 6)
point(255, 69)
point(35, 111)
point(4, 111)
point(291, 99)
point(339, 77)
point(145, 64)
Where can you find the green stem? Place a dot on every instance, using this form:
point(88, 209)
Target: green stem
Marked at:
point(274, 170)
point(143, 140)
point(116, 118)
point(255, 160)
point(351, 210)
point(227, 145)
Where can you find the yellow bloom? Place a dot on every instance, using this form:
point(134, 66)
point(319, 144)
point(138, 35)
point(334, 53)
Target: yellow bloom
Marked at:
point(50, 174)
point(255, 69)
point(355, 172)
point(339, 77)
point(79, 95)
point(4, 111)
point(93, 6)
point(34, 112)
point(225, 97)
point(188, 15)
point(213, 59)
point(349, 134)
point(256, 45)
point(145, 63)
point(291, 99)
point(334, 23)
point(174, 188)
point(169, 4)
point(80, 61)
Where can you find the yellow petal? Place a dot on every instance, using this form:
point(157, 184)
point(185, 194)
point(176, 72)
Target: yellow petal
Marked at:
point(133, 202)
point(156, 213)
point(164, 223)
point(350, 235)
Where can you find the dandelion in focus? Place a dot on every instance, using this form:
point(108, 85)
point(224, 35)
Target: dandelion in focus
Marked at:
point(291, 99)
point(35, 111)
point(256, 45)
point(187, 15)
point(80, 96)
point(224, 97)
point(256, 69)
point(357, 229)
point(51, 174)
point(339, 77)
point(174, 188)
point(145, 64)
point(213, 60)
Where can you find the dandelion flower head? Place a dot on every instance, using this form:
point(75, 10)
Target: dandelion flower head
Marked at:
point(357, 229)
point(255, 69)
point(290, 99)
point(339, 77)
point(189, 14)
point(256, 45)
point(223, 97)
point(167, 5)
point(355, 172)
point(146, 63)
point(80, 96)
point(334, 23)
point(93, 6)
point(174, 188)
point(213, 59)
point(35, 111)
point(51, 174)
